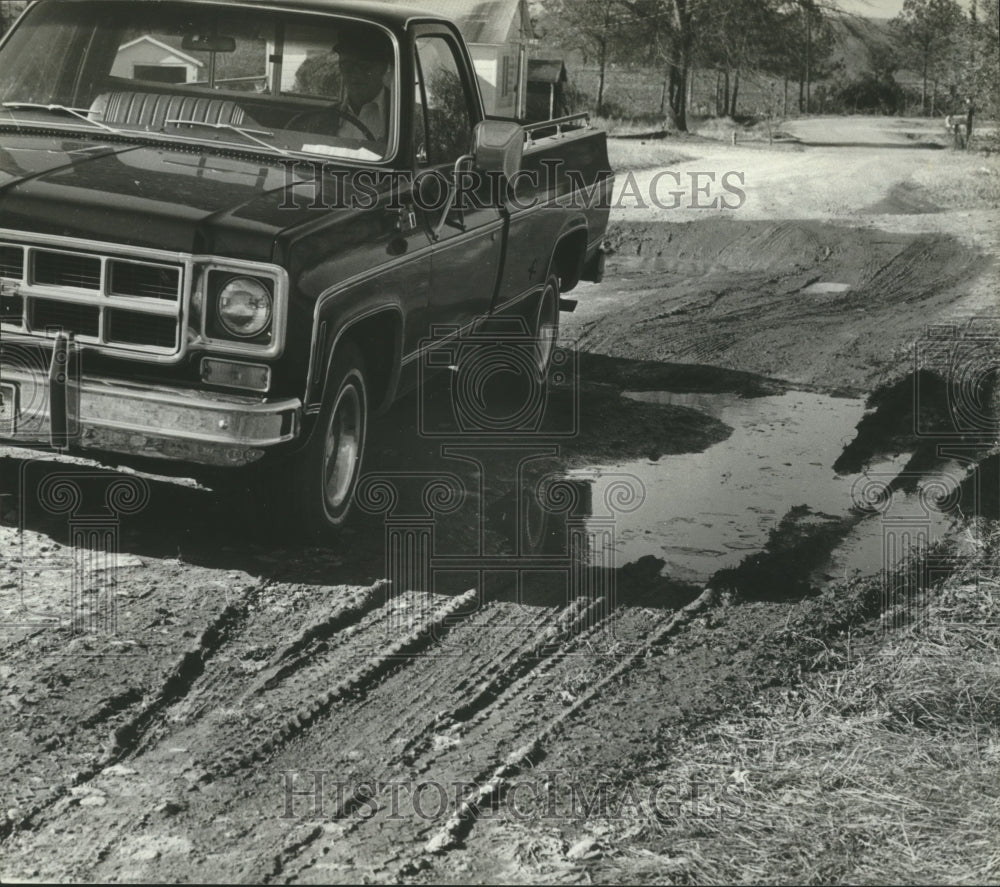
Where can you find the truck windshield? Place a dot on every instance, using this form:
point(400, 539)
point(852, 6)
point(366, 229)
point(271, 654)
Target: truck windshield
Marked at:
point(264, 79)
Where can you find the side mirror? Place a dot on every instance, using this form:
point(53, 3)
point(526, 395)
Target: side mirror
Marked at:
point(498, 145)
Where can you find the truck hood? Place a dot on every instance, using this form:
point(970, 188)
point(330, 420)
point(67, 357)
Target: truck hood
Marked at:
point(168, 197)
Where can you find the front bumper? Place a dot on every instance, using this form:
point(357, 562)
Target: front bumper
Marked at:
point(110, 415)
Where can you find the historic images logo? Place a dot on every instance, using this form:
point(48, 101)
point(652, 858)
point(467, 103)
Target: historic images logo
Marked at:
point(550, 185)
point(548, 796)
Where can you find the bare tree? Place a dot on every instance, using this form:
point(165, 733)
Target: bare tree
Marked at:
point(673, 25)
point(926, 30)
point(594, 27)
point(978, 62)
point(736, 37)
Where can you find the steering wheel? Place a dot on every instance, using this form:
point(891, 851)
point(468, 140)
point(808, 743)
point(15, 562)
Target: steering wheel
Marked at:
point(340, 112)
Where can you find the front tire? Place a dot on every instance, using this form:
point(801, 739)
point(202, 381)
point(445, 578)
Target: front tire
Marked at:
point(327, 471)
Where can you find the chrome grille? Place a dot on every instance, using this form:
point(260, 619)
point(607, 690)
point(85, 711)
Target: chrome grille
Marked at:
point(66, 269)
point(133, 328)
point(143, 281)
point(115, 303)
point(11, 309)
point(51, 315)
point(12, 262)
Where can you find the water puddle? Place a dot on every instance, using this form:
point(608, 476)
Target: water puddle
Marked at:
point(901, 520)
point(825, 289)
point(707, 511)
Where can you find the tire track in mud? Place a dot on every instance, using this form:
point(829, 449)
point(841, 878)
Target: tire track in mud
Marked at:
point(480, 658)
point(126, 737)
point(242, 674)
point(491, 676)
point(198, 679)
point(492, 784)
point(308, 694)
point(129, 736)
point(299, 672)
point(489, 671)
point(479, 745)
point(917, 271)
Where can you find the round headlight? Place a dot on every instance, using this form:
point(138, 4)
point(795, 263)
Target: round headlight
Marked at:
point(244, 307)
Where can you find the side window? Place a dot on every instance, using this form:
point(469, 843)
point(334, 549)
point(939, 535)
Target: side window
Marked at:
point(309, 63)
point(443, 121)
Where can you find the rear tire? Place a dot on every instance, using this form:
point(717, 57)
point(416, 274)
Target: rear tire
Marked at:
point(547, 327)
point(501, 383)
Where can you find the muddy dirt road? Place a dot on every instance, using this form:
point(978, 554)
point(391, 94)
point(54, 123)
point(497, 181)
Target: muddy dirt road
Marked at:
point(435, 695)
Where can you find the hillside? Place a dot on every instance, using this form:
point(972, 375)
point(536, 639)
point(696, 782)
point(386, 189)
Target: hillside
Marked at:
point(857, 37)
point(638, 90)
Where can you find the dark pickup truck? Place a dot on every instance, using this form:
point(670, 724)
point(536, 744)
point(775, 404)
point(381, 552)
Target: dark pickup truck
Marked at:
point(230, 231)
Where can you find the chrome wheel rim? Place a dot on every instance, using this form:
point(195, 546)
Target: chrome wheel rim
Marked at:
point(343, 445)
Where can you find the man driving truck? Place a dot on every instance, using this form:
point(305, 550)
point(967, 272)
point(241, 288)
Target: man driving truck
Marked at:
point(357, 70)
point(365, 56)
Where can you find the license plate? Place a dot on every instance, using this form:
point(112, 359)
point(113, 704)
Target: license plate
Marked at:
point(8, 408)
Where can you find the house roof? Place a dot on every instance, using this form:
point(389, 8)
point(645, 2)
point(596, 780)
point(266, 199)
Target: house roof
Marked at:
point(547, 71)
point(160, 44)
point(480, 21)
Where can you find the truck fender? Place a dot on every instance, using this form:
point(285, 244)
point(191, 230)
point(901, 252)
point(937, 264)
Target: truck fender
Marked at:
point(378, 335)
point(569, 256)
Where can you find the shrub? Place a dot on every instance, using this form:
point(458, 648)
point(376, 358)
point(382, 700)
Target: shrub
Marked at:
point(873, 95)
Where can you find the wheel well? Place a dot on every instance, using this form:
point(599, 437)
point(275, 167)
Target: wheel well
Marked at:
point(567, 262)
point(377, 337)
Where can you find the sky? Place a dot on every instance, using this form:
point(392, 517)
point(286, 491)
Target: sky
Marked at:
point(879, 8)
point(874, 8)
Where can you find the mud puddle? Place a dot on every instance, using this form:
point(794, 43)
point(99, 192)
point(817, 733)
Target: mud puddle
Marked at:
point(706, 512)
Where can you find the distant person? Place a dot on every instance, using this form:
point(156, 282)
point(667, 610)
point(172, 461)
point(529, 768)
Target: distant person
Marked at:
point(956, 129)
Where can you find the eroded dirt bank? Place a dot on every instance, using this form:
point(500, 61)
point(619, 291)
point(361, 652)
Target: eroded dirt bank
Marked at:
point(815, 304)
point(226, 701)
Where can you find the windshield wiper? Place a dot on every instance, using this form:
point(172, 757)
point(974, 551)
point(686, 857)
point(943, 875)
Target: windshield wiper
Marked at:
point(80, 113)
point(250, 134)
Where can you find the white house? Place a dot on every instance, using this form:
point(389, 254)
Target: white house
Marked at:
point(499, 34)
point(147, 58)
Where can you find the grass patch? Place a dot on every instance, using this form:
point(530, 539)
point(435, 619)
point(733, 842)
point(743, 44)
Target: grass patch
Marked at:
point(878, 769)
point(966, 181)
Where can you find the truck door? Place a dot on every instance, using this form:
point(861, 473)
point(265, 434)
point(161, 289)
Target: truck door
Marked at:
point(467, 241)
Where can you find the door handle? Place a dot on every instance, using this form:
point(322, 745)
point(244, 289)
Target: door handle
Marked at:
point(406, 220)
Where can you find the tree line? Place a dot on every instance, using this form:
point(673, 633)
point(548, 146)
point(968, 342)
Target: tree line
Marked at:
point(952, 47)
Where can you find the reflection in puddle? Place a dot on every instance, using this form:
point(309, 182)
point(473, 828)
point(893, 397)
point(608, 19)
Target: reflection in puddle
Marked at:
point(902, 520)
point(707, 511)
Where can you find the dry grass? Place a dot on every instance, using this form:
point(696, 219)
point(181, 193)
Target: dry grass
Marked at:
point(968, 181)
point(636, 144)
point(886, 770)
point(645, 154)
